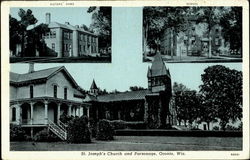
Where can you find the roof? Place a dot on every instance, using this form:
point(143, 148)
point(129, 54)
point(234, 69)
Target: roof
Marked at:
point(158, 67)
point(41, 74)
point(93, 85)
point(69, 27)
point(124, 96)
point(15, 77)
point(90, 98)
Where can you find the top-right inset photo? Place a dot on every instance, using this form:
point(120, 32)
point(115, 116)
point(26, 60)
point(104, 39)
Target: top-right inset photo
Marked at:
point(192, 34)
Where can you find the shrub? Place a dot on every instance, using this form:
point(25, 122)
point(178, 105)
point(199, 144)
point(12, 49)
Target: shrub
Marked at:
point(46, 136)
point(231, 128)
point(118, 124)
point(216, 128)
point(93, 127)
point(17, 133)
point(65, 118)
point(105, 130)
point(136, 125)
point(78, 130)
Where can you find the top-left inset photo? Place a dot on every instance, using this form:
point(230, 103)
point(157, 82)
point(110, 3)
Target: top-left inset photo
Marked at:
point(60, 35)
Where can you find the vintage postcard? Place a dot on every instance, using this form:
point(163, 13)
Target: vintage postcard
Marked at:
point(125, 79)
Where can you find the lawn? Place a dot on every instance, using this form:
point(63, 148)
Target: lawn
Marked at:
point(138, 143)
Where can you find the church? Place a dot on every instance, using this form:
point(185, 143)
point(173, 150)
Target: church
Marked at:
point(149, 106)
point(39, 98)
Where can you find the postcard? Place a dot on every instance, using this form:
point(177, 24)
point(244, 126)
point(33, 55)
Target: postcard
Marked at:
point(125, 79)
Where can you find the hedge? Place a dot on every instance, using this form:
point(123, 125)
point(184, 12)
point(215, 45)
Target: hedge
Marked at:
point(78, 130)
point(105, 130)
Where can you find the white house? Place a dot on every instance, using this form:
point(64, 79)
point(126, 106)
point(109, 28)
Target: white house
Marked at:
point(38, 98)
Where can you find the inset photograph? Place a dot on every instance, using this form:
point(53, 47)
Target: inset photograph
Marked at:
point(193, 34)
point(60, 35)
point(58, 108)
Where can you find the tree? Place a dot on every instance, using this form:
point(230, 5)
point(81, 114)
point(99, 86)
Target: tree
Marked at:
point(231, 23)
point(222, 92)
point(136, 88)
point(187, 106)
point(157, 19)
point(211, 16)
point(101, 25)
point(27, 18)
point(35, 40)
point(15, 37)
point(187, 103)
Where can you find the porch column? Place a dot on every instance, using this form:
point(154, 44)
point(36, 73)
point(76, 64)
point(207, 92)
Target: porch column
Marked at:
point(31, 112)
point(69, 110)
point(81, 110)
point(87, 111)
point(46, 112)
point(18, 113)
point(58, 112)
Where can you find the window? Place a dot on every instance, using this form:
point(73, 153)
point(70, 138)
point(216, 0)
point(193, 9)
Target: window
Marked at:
point(217, 41)
point(55, 91)
point(84, 48)
point(66, 47)
point(13, 114)
point(31, 91)
point(69, 47)
point(65, 93)
point(53, 46)
point(80, 48)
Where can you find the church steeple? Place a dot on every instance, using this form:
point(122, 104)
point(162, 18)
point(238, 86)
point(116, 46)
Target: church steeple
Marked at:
point(159, 78)
point(93, 88)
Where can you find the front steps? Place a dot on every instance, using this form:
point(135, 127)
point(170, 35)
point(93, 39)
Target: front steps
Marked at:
point(59, 130)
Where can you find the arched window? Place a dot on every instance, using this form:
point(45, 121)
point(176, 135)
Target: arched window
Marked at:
point(55, 91)
point(31, 91)
point(14, 114)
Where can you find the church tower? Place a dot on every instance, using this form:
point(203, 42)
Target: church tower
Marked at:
point(157, 113)
point(159, 78)
point(93, 89)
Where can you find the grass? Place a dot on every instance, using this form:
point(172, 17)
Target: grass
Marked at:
point(138, 143)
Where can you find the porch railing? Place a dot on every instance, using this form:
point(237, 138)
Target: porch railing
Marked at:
point(62, 125)
point(59, 131)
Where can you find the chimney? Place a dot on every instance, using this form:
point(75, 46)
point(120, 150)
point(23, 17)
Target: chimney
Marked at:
point(67, 23)
point(47, 18)
point(77, 26)
point(31, 67)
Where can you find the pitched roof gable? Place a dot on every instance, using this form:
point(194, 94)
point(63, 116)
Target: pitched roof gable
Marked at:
point(158, 67)
point(40, 74)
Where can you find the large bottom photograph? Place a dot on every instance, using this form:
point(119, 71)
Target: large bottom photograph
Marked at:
point(186, 107)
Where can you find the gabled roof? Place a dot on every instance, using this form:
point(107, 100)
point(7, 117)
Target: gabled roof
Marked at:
point(15, 77)
point(158, 67)
point(44, 74)
point(123, 96)
point(69, 27)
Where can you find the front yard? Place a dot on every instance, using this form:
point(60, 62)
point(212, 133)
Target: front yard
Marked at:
point(138, 143)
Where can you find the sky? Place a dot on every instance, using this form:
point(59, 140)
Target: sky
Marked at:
point(127, 68)
point(75, 16)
